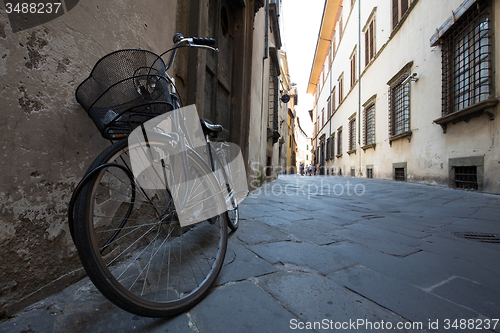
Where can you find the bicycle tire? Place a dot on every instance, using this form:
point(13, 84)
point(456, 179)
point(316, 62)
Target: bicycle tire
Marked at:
point(233, 219)
point(149, 280)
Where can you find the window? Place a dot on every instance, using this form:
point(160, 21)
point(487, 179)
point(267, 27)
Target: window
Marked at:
point(369, 172)
point(399, 171)
point(466, 60)
point(466, 177)
point(369, 128)
point(334, 107)
point(328, 150)
point(339, 142)
point(399, 106)
point(333, 50)
point(399, 174)
point(399, 8)
point(466, 172)
point(341, 88)
point(273, 97)
point(370, 41)
point(341, 28)
point(353, 68)
point(352, 135)
point(323, 117)
point(329, 108)
point(332, 146)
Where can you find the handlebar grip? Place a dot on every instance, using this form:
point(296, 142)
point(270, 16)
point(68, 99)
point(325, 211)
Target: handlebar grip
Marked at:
point(178, 37)
point(204, 41)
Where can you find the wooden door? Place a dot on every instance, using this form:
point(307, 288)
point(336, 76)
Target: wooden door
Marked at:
point(219, 66)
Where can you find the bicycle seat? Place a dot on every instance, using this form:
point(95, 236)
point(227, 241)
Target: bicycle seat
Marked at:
point(210, 129)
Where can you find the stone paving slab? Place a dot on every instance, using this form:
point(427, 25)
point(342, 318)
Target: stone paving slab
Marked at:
point(467, 250)
point(475, 296)
point(422, 275)
point(81, 308)
point(408, 301)
point(317, 299)
point(257, 232)
point(338, 216)
point(302, 254)
point(314, 231)
point(473, 224)
point(374, 242)
point(455, 267)
point(385, 234)
point(488, 213)
point(395, 225)
point(290, 215)
point(240, 307)
point(241, 263)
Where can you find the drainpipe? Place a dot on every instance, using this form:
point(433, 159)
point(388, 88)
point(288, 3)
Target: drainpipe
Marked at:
point(331, 109)
point(359, 80)
point(266, 34)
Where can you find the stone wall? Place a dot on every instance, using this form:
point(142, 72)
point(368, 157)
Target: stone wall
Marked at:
point(47, 139)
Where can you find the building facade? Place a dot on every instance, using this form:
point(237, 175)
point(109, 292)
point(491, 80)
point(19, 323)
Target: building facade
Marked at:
point(406, 90)
point(303, 146)
point(269, 81)
point(49, 141)
point(291, 158)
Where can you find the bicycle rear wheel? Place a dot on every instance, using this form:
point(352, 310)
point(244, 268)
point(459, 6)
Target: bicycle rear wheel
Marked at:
point(132, 246)
point(233, 218)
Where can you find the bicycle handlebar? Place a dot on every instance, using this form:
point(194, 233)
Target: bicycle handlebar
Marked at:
point(204, 41)
point(197, 42)
point(193, 41)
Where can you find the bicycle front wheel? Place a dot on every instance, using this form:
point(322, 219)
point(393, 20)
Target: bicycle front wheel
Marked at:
point(132, 245)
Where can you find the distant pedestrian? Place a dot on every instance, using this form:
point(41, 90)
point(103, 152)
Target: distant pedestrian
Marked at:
point(310, 169)
point(301, 169)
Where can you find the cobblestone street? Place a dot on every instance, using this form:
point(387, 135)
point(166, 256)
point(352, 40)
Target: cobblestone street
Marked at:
point(325, 253)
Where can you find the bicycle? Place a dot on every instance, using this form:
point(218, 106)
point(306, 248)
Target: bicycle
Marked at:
point(127, 228)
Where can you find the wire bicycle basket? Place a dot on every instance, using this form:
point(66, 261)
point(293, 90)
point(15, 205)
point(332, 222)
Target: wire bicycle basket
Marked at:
point(125, 89)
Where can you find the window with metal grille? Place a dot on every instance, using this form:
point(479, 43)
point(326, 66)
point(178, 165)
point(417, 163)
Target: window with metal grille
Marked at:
point(370, 41)
point(273, 97)
point(399, 107)
point(353, 172)
point(399, 174)
point(339, 142)
point(466, 177)
point(352, 134)
point(369, 117)
point(466, 60)
point(369, 172)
